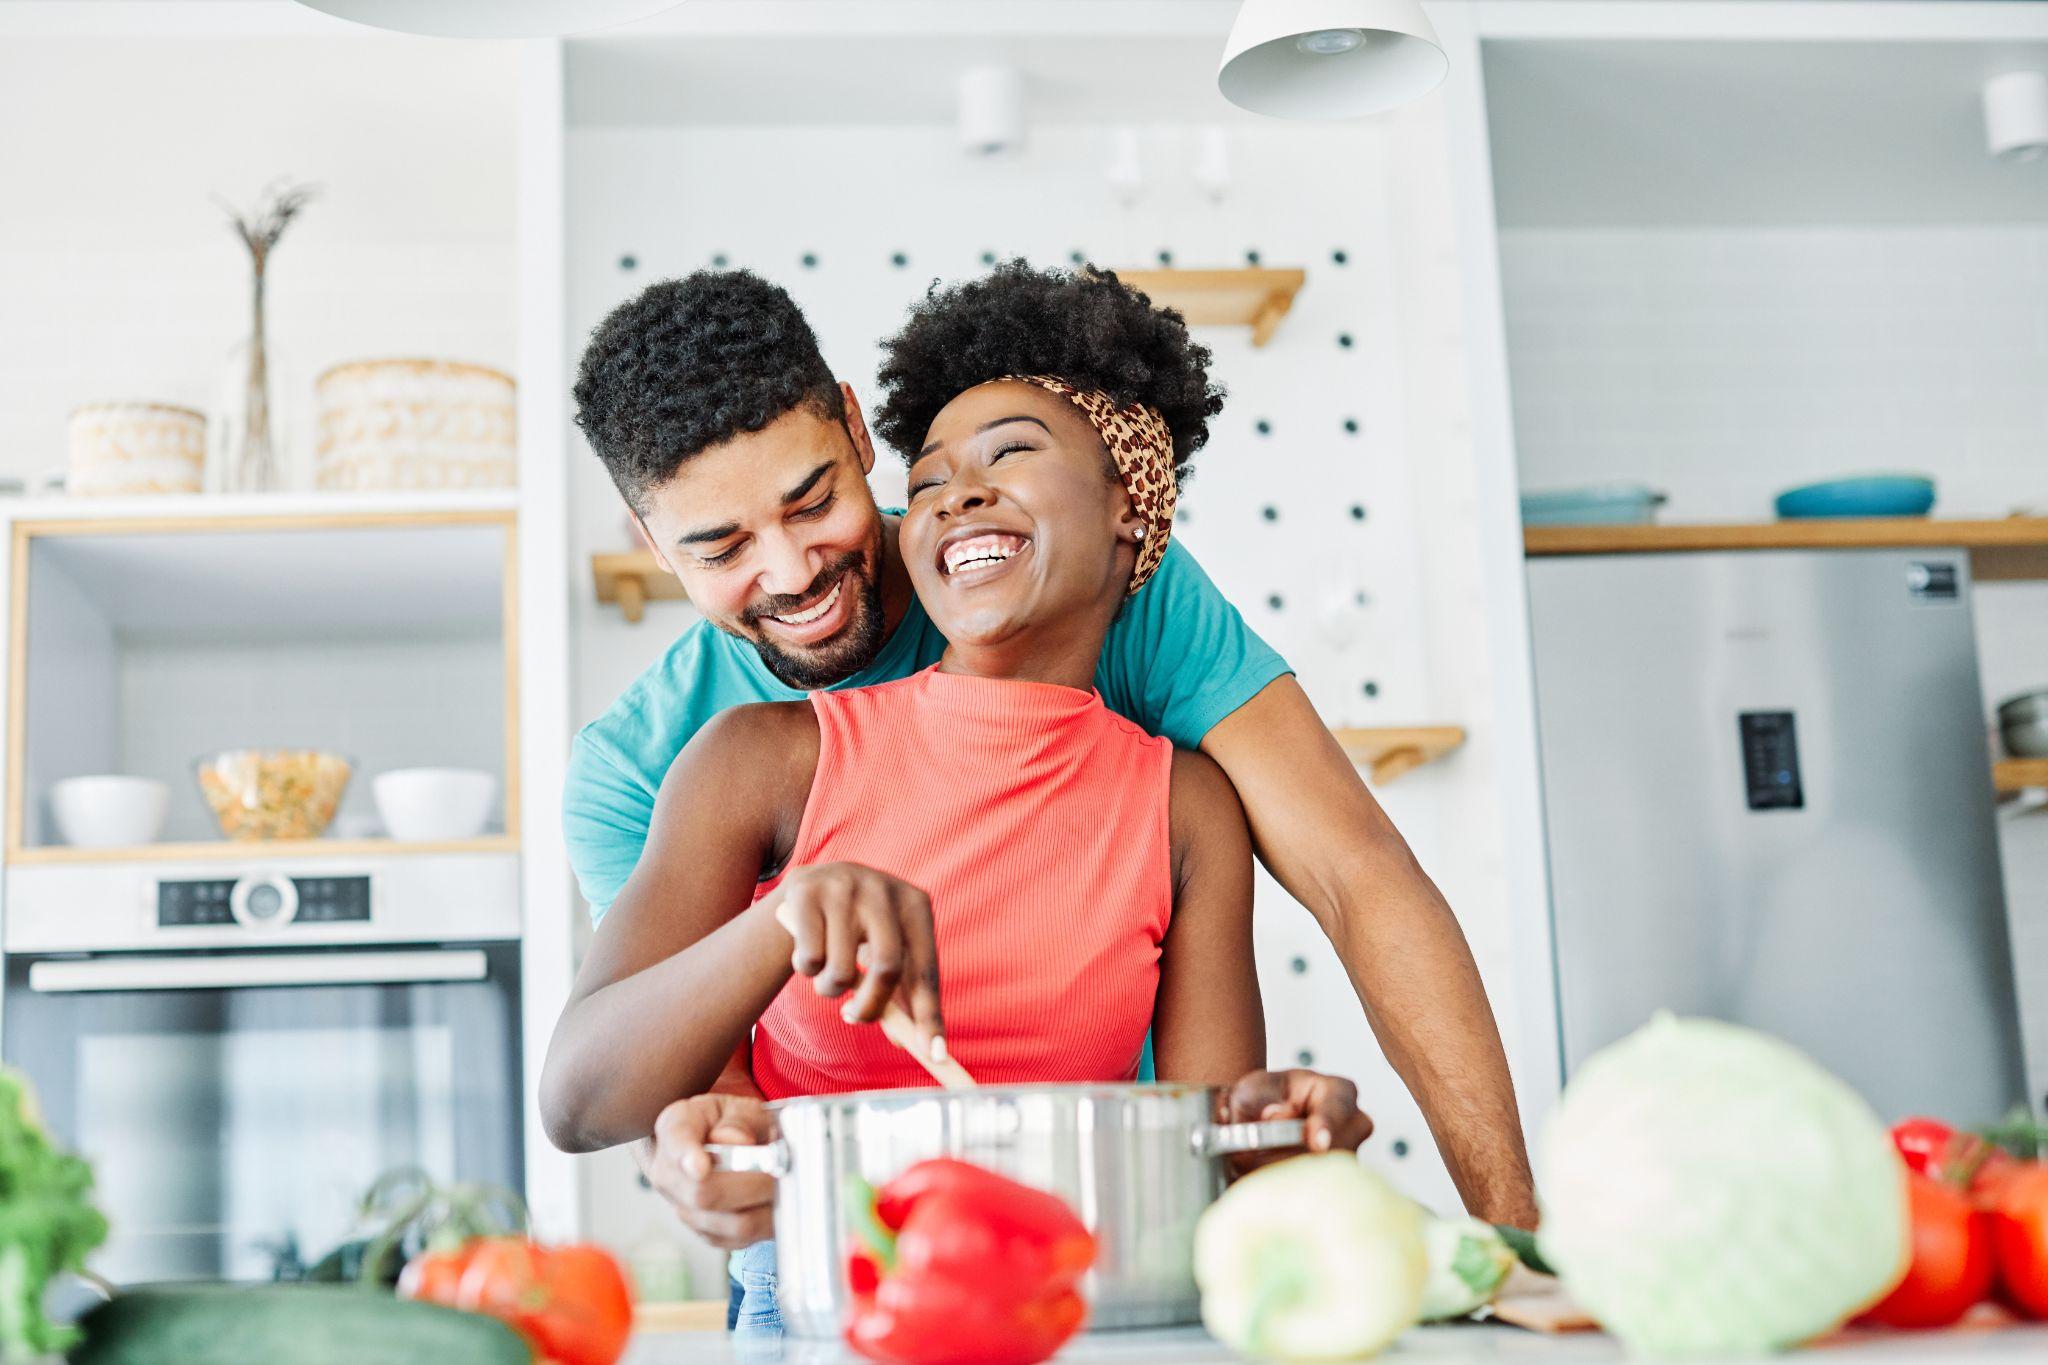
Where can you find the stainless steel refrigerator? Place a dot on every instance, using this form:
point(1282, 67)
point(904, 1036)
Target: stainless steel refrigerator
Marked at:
point(1767, 794)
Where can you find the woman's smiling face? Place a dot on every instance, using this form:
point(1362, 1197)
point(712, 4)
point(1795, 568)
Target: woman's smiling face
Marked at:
point(1016, 518)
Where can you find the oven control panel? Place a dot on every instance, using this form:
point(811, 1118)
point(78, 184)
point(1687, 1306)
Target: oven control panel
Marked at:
point(263, 901)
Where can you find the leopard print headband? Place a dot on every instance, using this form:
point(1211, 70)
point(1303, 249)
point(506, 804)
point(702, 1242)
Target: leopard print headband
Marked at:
point(1138, 440)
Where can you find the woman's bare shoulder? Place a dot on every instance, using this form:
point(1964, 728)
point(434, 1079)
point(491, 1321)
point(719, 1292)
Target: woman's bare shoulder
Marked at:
point(1206, 813)
point(1201, 787)
point(766, 748)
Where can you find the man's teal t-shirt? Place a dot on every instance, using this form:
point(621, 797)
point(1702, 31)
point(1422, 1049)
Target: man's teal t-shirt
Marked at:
point(1178, 659)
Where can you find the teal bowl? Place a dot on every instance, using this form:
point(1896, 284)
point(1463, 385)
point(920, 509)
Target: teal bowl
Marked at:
point(1872, 495)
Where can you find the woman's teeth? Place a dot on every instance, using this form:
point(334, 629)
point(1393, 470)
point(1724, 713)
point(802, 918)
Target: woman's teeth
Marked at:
point(979, 552)
point(810, 614)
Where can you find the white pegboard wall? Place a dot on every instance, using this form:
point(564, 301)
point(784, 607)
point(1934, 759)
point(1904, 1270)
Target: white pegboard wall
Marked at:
point(1294, 520)
point(1303, 506)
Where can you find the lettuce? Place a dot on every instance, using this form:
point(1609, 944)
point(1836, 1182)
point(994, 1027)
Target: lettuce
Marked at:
point(47, 1225)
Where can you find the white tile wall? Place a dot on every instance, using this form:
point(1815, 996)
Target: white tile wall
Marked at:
point(1723, 365)
point(118, 276)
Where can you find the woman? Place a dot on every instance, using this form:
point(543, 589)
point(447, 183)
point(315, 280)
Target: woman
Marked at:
point(1077, 881)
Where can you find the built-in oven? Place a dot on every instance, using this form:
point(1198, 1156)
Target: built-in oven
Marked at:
point(241, 1053)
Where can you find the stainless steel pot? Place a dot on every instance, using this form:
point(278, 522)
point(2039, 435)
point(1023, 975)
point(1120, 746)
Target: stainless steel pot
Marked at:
point(1139, 1163)
point(2023, 721)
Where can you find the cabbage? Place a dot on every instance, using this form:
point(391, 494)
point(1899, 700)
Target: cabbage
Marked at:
point(1709, 1190)
point(1467, 1262)
point(1312, 1258)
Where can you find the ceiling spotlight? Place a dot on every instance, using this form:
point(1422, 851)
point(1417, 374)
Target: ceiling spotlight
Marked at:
point(1126, 169)
point(991, 109)
point(2016, 115)
point(1328, 59)
point(491, 18)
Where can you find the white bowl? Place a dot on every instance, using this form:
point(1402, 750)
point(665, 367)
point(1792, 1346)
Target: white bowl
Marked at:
point(108, 811)
point(434, 803)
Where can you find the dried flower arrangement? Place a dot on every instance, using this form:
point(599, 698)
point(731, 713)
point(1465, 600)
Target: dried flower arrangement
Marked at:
point(252, 455)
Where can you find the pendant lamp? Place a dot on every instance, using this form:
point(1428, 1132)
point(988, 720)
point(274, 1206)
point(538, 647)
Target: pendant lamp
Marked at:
point(491, 18)
point(1330, 59)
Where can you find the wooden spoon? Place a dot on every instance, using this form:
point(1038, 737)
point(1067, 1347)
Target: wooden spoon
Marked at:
point(899, 1028)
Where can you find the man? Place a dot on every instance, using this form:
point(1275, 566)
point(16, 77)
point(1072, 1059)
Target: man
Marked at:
point(745, 463)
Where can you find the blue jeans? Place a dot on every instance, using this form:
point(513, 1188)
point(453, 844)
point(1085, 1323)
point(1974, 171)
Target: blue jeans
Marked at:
point(750, 1305)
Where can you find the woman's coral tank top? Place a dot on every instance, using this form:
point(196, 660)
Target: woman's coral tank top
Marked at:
point(1037, 820)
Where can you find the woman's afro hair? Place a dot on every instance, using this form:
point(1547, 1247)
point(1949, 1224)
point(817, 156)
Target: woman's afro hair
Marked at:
point(1084, 326)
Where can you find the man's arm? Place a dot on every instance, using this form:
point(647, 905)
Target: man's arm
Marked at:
point(1324, 837)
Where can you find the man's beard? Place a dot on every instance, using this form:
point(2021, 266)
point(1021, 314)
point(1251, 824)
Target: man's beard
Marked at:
point(839, 658)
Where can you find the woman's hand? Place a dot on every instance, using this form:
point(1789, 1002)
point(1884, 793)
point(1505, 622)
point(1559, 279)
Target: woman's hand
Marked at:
point(1326, 1105)
point(856, 929)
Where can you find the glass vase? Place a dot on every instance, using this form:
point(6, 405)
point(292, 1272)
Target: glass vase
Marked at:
point(257, 421)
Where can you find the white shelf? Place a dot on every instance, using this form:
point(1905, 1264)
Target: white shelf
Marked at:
point(382, 632)
point(261, 852)
point(259, 506)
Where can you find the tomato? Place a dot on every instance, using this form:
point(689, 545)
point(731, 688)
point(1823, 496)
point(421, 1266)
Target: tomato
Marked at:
point(571, 1301)
point(2019, 1238)
point(1930, 1147)
point(1952, 1264)
point(435, 1276)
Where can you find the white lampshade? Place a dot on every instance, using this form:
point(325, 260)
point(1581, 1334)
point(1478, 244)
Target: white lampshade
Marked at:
point(1330, 59)
point(491, 18)
point(2016, 115)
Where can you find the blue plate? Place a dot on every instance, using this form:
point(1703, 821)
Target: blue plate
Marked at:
point(1873, 495)
point(1614, 504)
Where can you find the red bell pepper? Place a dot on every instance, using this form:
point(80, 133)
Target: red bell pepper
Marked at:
point(958, 1264)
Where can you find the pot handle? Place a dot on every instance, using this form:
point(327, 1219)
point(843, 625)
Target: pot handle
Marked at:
point(766, 1158)
point(1228, 1139)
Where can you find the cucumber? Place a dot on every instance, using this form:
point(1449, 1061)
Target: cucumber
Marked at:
point(297, 1324)
point(1523, 1244)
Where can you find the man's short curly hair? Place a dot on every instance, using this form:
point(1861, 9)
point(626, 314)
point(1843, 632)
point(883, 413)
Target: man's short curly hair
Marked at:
point(691, 363)
point(1085, 326)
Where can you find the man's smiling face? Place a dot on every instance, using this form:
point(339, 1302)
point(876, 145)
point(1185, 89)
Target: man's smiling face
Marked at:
point(776, 537)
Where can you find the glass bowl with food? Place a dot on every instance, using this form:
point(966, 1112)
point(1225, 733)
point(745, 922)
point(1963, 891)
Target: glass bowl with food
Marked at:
point(273, 793)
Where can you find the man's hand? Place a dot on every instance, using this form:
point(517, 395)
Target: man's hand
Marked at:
point(1327, 1106)
point(856, 929)
point(727, 1210)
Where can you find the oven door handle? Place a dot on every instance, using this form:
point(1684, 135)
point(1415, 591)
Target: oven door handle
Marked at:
point(196, 971)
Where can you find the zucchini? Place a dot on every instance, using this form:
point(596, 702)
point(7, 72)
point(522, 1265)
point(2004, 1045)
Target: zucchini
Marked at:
point(1523, 1243)
point(291, 1324)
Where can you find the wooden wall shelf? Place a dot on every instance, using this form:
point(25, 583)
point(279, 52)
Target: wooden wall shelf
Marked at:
point(633, 579)
point(1252, 297)
point(2010, 549)
point(2015, 775)
point(1390, 751)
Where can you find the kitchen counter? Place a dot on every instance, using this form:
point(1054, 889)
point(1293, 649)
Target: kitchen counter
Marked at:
point(1457, 1341)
